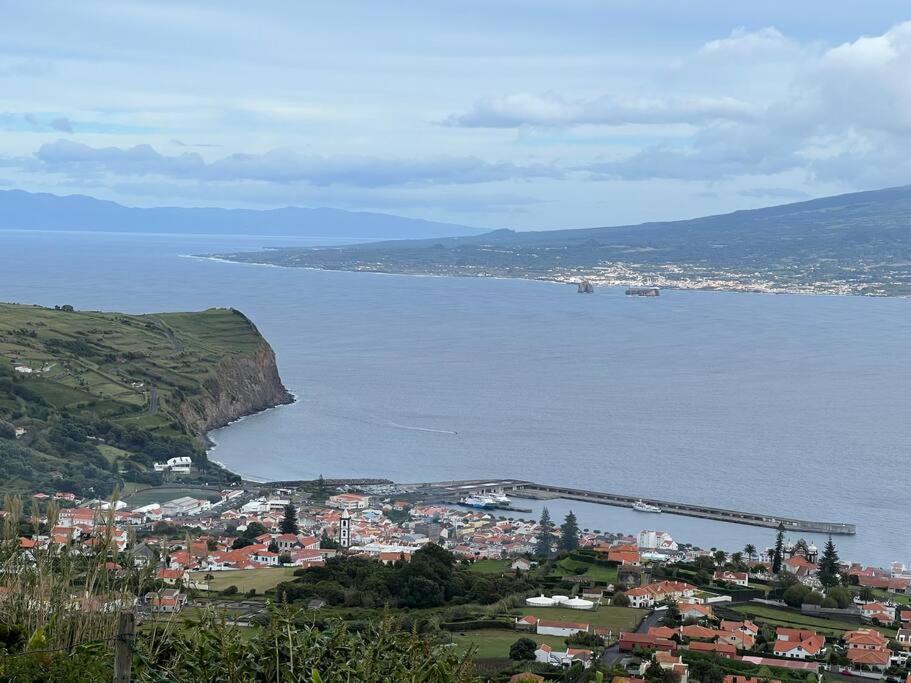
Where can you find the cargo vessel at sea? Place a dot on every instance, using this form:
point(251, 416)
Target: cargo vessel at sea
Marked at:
point(643, 291)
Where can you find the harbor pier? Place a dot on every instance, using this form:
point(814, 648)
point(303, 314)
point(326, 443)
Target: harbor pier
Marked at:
point(518, 488)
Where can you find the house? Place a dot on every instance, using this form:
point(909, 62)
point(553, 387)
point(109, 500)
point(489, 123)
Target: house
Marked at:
point(737, 578)
point(178, 464)
point(167, 600)
point(720, 649)
point(632, 641)
point(265, 557)
point(665, 632)
point(865, 639)
point(697, 632)
point(692, 610)
point(527, 623)
point(903, 638)
point(625, 554)
point(795, 643)
point(348, 501)
point(560, 628)
point(171, 576)
point(878, 659)
point(520, 564)
point(876, 611)
point(742, 626)
point(545, 654)
point(653, 593)
point(669, 662)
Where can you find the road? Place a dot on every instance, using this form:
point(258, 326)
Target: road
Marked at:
point(612, 655)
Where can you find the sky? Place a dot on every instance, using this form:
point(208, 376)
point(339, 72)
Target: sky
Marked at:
point(526, 114)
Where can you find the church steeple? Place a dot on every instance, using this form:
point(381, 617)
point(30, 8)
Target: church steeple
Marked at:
point(344, 529)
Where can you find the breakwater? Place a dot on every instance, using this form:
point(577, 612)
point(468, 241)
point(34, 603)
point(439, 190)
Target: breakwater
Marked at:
point(518, 488)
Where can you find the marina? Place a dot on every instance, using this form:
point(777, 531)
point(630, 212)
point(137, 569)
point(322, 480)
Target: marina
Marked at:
point(518, 488)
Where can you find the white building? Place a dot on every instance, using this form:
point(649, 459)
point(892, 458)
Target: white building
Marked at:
point(656, 540)
point(348, 501)
point(344, 529)
point(179, 464)
point(560, 628)
point(184, 506)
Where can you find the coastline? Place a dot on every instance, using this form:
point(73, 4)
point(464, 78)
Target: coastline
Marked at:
point(597, 281)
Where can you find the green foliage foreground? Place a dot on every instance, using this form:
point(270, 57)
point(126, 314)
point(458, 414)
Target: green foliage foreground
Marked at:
point(210, 649)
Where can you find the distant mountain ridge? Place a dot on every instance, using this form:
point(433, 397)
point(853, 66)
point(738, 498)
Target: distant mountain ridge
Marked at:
point(41, 211)
point(858, 243)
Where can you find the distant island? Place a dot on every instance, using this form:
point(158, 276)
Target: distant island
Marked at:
point(21, 210)
point(857, 244)
point(91, 401)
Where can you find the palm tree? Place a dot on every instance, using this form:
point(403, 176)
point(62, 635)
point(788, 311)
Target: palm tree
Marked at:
point(750, 550)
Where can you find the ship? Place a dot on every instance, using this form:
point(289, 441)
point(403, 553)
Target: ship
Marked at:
point(643, 291)
point(642, 506)
point(586, 287)
point(482, 502)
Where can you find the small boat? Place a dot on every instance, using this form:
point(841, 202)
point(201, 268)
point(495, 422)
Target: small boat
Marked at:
point(642, 506)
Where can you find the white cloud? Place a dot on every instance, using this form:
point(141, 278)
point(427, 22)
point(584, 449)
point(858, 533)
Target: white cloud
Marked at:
point(277, 166)
point(549, 109)
point(741, 43)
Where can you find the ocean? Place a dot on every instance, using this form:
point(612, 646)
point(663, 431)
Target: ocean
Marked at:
point(782, 404)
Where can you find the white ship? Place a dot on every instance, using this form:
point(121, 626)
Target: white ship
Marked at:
point(478, 502)
point(642, 506)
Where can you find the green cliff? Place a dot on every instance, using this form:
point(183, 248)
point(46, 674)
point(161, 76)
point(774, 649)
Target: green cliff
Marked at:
point(89, 400)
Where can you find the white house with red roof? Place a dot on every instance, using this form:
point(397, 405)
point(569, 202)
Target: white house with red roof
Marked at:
point(348, 501)
point(795, 643)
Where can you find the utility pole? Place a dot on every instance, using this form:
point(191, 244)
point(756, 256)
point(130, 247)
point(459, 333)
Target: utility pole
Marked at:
point(123, 646)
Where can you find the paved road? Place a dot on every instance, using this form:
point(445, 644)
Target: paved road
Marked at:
point(612, 654)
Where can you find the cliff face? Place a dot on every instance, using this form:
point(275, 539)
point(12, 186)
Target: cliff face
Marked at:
point(240, 385)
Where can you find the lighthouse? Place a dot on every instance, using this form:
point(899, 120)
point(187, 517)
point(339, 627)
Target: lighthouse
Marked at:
point(344, 529)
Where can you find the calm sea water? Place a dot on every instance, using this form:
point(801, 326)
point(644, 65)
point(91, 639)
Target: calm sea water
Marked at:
point(790, 405)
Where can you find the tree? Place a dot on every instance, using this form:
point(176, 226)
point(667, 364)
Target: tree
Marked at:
point(778, 553)
point(671, 617)
point(545, 544)
point(829, 575)
point(325, 542)
point(273, 546)
point(842, 596)
point(720, 557)
point(254, 529)
point(288, 524)
point(750, 550)
point(569, 532)
point(621, 600)
point(523, 649)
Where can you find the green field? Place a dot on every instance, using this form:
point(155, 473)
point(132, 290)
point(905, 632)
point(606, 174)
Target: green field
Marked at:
point(490, 566)
point(779, 617)
point(494, 643)
point(245, 579)
point(595, 572)
point(616, 618)
point(91, 387)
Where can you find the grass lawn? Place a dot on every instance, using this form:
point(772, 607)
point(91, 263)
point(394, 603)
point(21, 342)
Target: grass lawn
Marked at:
point(616, 618)
point(494, 643)
point(595, 572)
point(261, 579)
point(490, 566)
point(778, 617)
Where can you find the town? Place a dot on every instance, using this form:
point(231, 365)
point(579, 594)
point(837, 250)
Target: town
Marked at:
point(522, 599)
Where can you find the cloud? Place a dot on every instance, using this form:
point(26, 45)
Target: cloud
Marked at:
point(774, 193)
point(281, 166)
point(62, 124)
point(549, 109)
point(180, 143)
point(741, 43)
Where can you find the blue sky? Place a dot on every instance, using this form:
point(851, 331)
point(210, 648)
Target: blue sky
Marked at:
point(519, 113)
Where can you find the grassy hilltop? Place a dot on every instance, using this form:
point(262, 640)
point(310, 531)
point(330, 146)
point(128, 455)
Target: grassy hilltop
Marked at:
point(100, 396)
